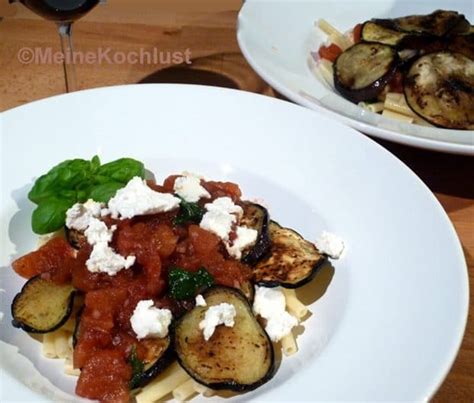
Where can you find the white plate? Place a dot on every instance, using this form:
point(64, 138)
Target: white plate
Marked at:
point(276, 37)
point(391, 320)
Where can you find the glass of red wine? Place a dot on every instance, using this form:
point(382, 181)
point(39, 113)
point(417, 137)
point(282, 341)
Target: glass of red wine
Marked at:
point(63, 13)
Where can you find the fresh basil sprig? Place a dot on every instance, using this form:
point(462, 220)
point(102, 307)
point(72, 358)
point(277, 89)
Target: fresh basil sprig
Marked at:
point(184, 284)
point(74, 181)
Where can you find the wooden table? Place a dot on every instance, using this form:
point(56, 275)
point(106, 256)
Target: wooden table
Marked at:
point(208, 30)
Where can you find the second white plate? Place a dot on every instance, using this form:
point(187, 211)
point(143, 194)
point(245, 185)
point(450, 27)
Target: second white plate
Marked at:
point(276, 37)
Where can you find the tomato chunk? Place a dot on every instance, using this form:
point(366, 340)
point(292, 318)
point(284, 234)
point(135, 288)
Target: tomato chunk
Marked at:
point(357, 32)
point(105, 377)
point(223, 189)
point(54, 256)
point(330, 52)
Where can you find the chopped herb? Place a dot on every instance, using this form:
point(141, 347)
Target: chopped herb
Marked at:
point(188, 213)
point(74, 181)
point(184, 284)
point(138, 367)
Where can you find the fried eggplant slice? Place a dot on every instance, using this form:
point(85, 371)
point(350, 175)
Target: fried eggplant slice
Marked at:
point(238, 358)
point(362, 71)
point(256, 217)
point(293, 261)
point(75, 238)
point(438, 23)
point(463, 44)
point(373, 32)
point(248, 290)
point(440, 88)
point(42, 306)
point(159, 355)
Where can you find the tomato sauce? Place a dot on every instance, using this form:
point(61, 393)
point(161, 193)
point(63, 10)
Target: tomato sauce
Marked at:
point(104, 337)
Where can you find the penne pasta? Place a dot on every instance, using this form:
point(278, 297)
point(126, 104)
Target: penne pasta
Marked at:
point(203, 390)
point(49, 346)
point(288, 344)
point(171, 378)
point(397, 116)
point(184, 391)
point(340, 40)
point(375, 107)
point(327, 28)
point(70, 324)
point(399, 106)
point(293, 304)
point(69, 368)
point(43, 239)
point(61, 343)
point(422, 122)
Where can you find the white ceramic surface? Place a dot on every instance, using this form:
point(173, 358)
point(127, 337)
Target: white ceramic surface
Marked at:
point(277, 36)
point(392, 317)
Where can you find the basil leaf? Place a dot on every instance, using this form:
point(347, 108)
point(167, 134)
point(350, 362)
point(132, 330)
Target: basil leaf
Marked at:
point(184, 284)
point(188, 213)
point(122, 170)
point(95, 163)
point(138, 366)
point(50, 215)
point(104, 192)
point(64, 176)
point(77, 180)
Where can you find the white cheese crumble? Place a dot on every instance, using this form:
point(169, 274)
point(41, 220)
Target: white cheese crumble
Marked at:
point(79, 215)
point(149, 321)
point(136, 198)
point(221, 215)
point(218, 223)
point(190, 189)
point(245, 238)
point(200, 301)
point(224, 205)
point(270, 304)
point(103, 259)
point(330, 244)
point(97, 232)
point(222, 314)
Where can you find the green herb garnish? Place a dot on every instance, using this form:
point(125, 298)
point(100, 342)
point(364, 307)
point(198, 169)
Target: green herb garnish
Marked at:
point(184, 284)
point(138, 366)
point(75, 181)
point(188, 213)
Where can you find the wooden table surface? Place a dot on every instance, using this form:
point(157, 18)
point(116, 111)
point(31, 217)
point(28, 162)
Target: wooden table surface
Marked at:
point(208, 30)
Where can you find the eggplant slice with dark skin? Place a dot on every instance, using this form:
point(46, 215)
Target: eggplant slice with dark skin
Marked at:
point(256, 217)
point(373, 32)
point(238, 358)
point(439, 23)
point(159, 356)
point(463, 44)
point(75, 238)
point(42, 306)
point(362, 71)
point(440, 88)
point(293, 262)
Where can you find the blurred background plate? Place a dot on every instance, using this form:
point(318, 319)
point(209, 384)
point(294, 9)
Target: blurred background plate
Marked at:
point(276, 38)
